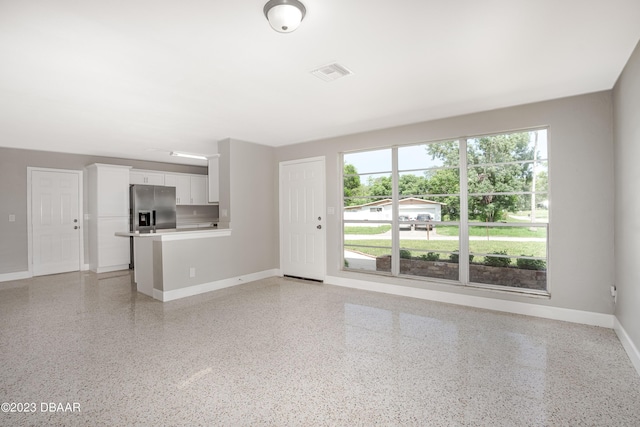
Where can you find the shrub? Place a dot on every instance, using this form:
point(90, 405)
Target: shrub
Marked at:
point(432, 256)
point(346, 263)
point(495, 261)
point(455, 257)
point(531, 264)
point(405, 254)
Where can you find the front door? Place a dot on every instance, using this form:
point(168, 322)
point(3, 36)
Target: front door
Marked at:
point(55, 222)
point(302, 218)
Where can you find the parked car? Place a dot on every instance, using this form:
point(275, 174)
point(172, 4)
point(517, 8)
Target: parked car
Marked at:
point(404, 223)
point(424, 218)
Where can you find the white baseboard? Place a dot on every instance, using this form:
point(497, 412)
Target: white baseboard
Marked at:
point(629, 346)
point(212, 286)
point(19, 275)
point(112, 268)
point(555, 313)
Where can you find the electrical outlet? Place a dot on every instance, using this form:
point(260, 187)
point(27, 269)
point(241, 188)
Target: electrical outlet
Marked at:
point(614, 291)
point(192, 272)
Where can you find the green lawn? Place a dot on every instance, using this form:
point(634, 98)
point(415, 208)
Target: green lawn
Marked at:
point(449, 230)
point(537, 249)
point(366, 230)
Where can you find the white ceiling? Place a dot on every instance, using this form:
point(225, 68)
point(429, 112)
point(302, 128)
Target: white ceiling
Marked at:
point(138, 79)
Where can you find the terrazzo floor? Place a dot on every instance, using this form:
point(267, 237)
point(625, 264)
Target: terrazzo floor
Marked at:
point(284, 352)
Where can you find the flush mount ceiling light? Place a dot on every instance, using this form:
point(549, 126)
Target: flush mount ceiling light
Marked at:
point(188, 155)
point(284, 15)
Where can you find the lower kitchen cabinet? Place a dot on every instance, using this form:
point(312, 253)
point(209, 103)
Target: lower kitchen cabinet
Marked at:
point(113, 251)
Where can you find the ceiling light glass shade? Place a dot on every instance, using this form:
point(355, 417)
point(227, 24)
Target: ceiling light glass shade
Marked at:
point(284, 15)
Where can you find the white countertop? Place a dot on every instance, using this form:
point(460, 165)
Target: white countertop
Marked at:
point(179, 234)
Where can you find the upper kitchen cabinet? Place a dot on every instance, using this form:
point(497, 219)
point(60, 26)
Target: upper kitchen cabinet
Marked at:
point(137, 176)
point(109, 190)
point(198, 189)
point(190, 189)
point(213, 187)
point(183, 187)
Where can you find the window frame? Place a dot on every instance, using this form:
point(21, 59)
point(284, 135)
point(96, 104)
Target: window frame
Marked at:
point(464, 222)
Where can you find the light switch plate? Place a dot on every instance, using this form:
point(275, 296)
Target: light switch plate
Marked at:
point(12, 218)
point(331, 210)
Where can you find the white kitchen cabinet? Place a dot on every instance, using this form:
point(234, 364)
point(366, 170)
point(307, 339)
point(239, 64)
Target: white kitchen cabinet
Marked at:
point(112, 191)
point(113, 250)
point(108, 209)
point(146, 177)
point(213, 189)
point(199, 190)
point(190, 189)
point(182, 183)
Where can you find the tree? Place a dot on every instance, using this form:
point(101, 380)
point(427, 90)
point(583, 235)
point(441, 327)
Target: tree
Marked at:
point(380, 186)
point(352, 185)
point(486, 178)
point(412, 185)
point(446, 181)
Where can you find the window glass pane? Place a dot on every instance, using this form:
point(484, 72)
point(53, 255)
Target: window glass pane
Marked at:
point(363, 189)
point(438, 208)
point(426, 252)
point(358, 187)
point(370, 209)
point(381, 233)
point(439, 181)
point(513, 272)
point(508, 241)
point(424, 156)
point(369, 161)
point(501, 178)
point(508, 208)
point(507, 148)
point(429, 265)
point(367, 259)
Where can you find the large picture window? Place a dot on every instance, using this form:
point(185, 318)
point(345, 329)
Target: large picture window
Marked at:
point(470, 210)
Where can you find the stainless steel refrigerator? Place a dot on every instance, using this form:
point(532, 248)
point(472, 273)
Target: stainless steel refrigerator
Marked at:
point(152, 207)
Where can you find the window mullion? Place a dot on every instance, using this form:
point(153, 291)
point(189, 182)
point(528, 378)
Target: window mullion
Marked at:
point(395, 228)
point(464, 214)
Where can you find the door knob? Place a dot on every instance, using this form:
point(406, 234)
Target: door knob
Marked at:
point(319, 227)
point(75, 227)
point(319, 218)
point(75, 220)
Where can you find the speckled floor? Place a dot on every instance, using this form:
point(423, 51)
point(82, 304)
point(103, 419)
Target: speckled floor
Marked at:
point(284, 352)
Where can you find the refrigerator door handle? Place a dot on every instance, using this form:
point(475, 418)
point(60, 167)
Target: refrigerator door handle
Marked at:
point(154, 218)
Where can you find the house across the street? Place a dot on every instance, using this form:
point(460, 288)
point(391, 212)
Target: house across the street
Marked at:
point(380, 210)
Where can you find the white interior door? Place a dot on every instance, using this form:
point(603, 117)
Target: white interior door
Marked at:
point(55, 222)
point(302, 218)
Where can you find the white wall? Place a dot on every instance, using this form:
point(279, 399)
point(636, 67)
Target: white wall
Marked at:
point(581, 260)
point(626, 96)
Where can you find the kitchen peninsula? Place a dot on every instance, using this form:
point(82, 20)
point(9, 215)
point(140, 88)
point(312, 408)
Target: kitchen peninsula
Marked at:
point(172, 264)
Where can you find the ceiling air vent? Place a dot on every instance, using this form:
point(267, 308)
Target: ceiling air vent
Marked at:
point(331, 72)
